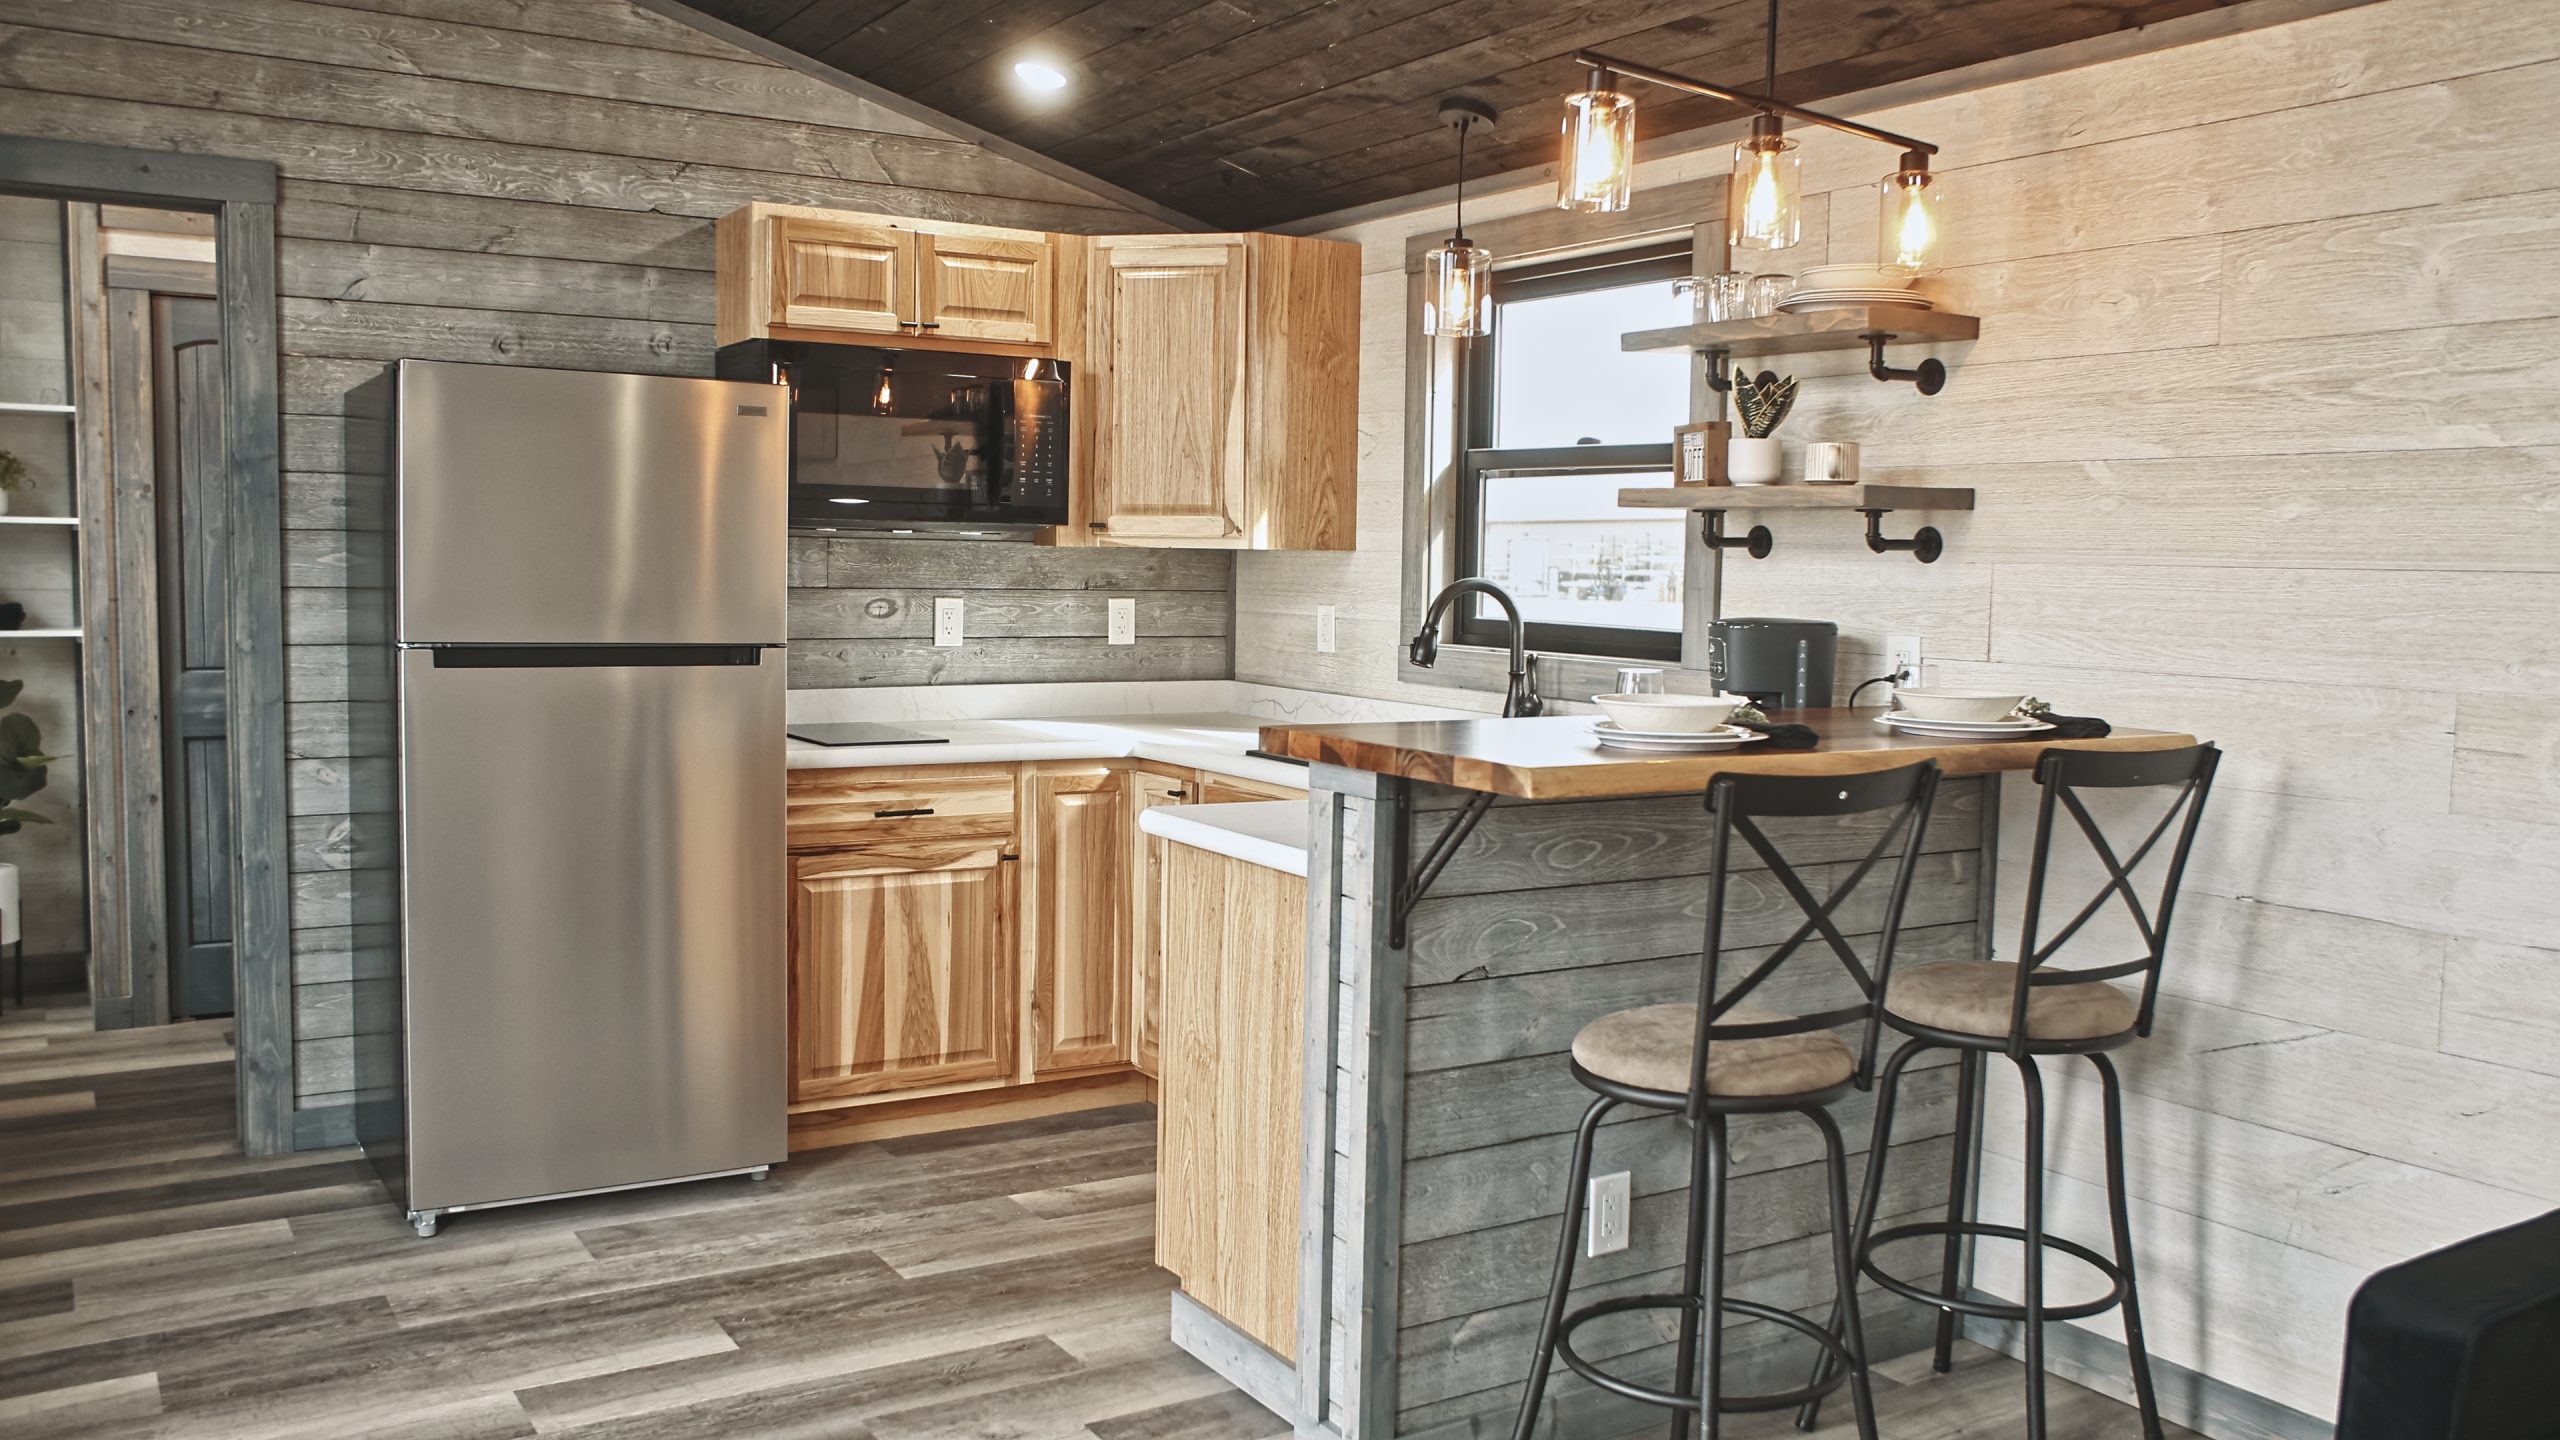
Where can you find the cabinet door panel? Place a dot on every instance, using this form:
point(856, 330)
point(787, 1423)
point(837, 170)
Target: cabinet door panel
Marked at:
point(982, 288)
point(839, 275)
point(902, 969)
point(1146, 916)
point(1079, 852)
point(1169, 326)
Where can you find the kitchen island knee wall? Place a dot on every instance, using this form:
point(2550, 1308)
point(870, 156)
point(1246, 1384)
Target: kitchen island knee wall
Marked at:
point(1434, 1196)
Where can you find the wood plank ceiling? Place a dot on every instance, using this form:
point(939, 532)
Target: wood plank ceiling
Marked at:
point(1254, 112)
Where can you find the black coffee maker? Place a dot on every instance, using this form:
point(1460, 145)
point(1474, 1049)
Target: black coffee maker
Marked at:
point(1780, 664)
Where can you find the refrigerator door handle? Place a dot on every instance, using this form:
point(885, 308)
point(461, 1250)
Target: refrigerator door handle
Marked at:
point(587, 657)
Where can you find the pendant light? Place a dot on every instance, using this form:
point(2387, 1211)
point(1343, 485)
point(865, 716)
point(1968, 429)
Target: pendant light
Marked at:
point(1911, 217)
point(1764, 198)
point(1599, 163)
point(1457, 277)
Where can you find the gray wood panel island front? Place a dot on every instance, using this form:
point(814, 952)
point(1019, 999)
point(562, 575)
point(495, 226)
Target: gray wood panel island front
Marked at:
point(1438, 1103)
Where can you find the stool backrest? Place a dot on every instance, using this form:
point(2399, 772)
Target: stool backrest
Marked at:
point(2187, 773)
point(1735, 806)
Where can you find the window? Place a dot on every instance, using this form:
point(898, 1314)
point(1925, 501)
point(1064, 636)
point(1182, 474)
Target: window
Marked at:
point(1558, 419)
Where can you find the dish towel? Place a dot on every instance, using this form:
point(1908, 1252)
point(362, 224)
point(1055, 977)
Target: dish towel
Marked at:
point(1788, 737)
point(2075, 727)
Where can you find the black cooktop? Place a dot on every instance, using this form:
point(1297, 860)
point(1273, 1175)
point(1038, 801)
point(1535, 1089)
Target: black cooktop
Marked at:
point(862, 733)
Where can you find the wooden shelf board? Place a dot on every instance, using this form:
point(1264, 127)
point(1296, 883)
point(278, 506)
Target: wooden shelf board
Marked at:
point(39, 519)
point(8, 635)
point(1809, 331)
point(1798, 497)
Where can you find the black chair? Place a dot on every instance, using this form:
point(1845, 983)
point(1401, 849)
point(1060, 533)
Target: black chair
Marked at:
point(1981, 1007)
point(1721, 1057)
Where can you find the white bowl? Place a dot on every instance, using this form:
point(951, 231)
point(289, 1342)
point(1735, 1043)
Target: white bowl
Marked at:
point(1955, 704)
point(1680, 714)
point(1853, 277)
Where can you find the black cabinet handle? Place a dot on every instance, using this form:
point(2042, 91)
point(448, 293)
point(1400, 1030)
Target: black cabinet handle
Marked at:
point(899, 814)
point(1176, 794)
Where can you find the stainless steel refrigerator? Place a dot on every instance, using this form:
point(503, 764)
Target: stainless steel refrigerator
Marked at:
point(587, 628)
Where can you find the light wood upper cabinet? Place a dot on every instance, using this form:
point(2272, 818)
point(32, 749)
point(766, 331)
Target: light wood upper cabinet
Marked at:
point(1222, 375)
point(985, 287)
point(1165, 339)
point(902, 968)
point(843, 275)
point(1076, 857)
point(791, 271)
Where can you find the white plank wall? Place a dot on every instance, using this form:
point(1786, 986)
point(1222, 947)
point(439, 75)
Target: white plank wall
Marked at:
point(2261, 420)
point(525, 182)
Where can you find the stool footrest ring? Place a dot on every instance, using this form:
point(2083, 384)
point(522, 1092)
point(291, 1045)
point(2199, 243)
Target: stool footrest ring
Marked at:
point(1725, 1404)
point(1990, 1309)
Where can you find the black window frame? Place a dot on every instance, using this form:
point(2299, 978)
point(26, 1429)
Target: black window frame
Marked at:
point(1482, 624)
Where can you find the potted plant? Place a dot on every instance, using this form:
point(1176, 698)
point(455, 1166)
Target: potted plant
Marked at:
point(1760, 402)
point(13, 478)
point(22, 761)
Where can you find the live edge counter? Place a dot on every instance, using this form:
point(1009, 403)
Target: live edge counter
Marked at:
point(1437, 1103)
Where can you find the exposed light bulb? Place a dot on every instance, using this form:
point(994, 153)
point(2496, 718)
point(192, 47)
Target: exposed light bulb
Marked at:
point(1599, 149)
point(1763, 204)
point(1760, 209)
point(1911, 217)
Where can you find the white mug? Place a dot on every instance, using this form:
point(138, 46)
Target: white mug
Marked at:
point(1831, 462)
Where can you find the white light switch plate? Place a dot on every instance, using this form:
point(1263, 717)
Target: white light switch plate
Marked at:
point(946, 620)
point(1610, 1197)
point(1324, 629)
point(1902, 660)
point(1124, 620)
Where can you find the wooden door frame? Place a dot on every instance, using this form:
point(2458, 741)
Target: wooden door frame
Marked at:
point(241, 196)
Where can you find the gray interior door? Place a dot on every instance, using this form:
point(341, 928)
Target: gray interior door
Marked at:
point(187, 420)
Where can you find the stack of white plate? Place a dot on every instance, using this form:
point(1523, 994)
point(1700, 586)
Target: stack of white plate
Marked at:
point(1967, 729)
point(1672, 742)
point(1832, 287)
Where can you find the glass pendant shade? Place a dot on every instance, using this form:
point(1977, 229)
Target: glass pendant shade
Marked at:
point(1764, 198)
point(1911, 221)
point(1599, 161)
point(1457, 294)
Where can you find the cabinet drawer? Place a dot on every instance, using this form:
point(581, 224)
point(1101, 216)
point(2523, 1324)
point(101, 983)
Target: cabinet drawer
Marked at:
point(833, 809)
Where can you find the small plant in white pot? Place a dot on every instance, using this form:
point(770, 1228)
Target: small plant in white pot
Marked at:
point(13, 478)
point(1760, 402)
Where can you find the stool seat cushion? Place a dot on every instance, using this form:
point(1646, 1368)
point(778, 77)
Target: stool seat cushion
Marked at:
point(1650, 1049)
point(1973, 997)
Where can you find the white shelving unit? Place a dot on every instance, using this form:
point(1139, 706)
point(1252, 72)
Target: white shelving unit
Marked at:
point(8, 635)
point(39, 519)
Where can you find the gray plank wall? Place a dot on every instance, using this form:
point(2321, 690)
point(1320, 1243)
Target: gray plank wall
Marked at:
point(862, 613)
point(520, 182)
point(1549, 917)
point(2261, 421)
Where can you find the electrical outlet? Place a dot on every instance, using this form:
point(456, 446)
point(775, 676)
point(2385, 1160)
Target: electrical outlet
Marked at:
point(1610, 1197)
point(946, 620)
point(1902, 660)
point(1124, 620)
point(1324, 629)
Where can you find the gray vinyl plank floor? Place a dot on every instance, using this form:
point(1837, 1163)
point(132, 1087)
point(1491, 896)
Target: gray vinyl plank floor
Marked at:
point(995, 1284)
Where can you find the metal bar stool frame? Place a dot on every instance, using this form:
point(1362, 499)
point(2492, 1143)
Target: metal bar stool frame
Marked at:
point(2058, 773)
point(1732, 803)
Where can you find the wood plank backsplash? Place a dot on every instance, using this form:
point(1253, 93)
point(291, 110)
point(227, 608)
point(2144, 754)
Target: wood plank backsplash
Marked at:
point(515, 182)
point(2262, 428)
point(862, 613)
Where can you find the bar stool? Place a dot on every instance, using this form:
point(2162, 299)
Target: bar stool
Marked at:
point(1723, 1056)
point(1981, 1008)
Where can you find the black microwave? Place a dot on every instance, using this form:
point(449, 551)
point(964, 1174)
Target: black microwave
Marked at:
point(882, 435)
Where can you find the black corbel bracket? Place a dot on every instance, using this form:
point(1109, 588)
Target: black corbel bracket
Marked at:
point(1925, 545)
point(1757, 544)
point(1929, 378)
point(1413, 877)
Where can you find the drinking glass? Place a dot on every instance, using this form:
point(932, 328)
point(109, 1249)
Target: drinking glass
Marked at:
point(1765, 293)
point(1639, 680)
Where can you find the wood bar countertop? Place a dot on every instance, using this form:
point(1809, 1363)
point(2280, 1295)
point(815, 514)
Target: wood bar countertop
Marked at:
point(1553, 757)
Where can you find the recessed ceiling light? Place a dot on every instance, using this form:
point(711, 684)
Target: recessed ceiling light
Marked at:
point(1040, 77)
point(841, 500)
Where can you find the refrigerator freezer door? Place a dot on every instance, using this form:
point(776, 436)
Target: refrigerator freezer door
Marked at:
point(593, 925)
point(563, 507)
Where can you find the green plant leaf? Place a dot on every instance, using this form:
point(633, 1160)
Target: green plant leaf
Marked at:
point(9, 692)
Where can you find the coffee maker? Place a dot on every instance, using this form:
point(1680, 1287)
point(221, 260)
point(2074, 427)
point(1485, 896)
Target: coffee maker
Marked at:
point(1780, 664)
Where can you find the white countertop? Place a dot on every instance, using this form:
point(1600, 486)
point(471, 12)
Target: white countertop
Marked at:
point(1215, 742)
point(1269, 833)
point(1203, 724)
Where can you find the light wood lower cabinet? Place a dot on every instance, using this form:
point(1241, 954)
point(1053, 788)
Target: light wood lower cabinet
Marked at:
point(902, 968)
point(1227, 1158)
point(1076, 863)
point(1147, 790)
